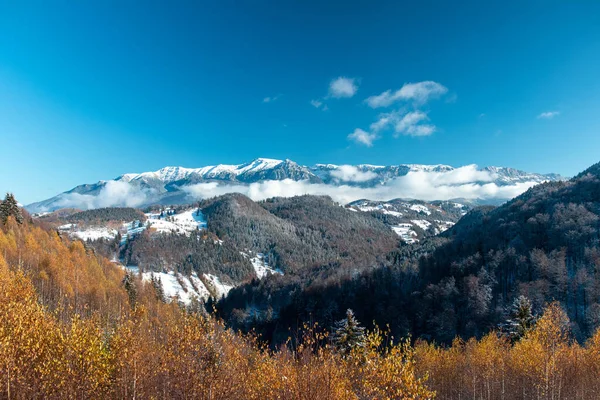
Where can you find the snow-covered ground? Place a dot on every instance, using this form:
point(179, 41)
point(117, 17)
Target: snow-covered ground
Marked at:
point(421, 223)
point(89, 233)
point(219, 288)
point(384, 208)
point(406, 233)
point(95, 233)
point(185, 288)
point(185, 222)
point(261, 267)
point(443, 226)
point(420, 208)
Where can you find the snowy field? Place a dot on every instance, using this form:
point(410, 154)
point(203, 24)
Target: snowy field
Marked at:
point(406, 232)
point(184, 223)
point(90, 233)
point(185, 288)
point(261, 267)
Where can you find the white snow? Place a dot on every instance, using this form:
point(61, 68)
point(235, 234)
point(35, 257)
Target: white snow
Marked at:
point(66, 227)
point(420, 208)
point(184, 288)
point(94, 233)
point(173, 174)
point(392, 212)
point(220, 289)
point(179, 286)
point(421, 223)
point(261, 267)
point(405, 232)
point(443, 225)
point(185, 222)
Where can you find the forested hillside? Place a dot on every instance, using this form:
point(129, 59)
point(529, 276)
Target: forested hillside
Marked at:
point(301, 237)
point(518, 283)
point(544, 245)
point(73, 325)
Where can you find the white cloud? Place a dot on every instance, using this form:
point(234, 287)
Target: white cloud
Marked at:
point(385, 120)
point(548, 114)
point(466, 182)
point(113, 194)
point(316, 103)
point(343, 87)
point(410, 120)
point(408, 124)
point(271, 99)
point(350, 173)
point(419, 93)
point(363, 137)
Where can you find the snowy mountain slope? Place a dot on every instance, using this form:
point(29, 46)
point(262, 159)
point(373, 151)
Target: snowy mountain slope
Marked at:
point(414, 220)
point(263, 178)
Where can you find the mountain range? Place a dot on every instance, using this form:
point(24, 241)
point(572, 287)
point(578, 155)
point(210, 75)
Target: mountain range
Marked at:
point(263, 178)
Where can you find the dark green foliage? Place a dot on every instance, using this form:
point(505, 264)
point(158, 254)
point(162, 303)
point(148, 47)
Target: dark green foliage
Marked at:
point(199, 253)
point(10, 208)
point(544, 244)
point(521, 319)
point(300, 233)
point(100, 215)
point(347, 334)
point(129, 285)
point(158, 288)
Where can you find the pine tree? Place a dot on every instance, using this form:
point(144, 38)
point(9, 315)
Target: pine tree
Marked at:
point(10, 207)
point(521, 319)
point(158, 287)
point(129, 285)
point(348, 334)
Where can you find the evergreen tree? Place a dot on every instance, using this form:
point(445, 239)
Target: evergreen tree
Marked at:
point(158, 287)
point(348, 334)
point(521, 319)
point(9, 207)
point(129, 285)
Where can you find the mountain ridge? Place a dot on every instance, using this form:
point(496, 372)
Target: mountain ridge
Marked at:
point(176, 184)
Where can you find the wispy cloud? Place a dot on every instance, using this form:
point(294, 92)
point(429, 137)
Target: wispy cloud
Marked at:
point(319, 104)
point(548, 114)
point(420, 93)
point(362, 137)
point(271, 99)
point(343, 87)
point(412, 125)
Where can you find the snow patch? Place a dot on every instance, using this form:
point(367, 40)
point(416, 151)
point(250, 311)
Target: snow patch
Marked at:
point(261, 267)
point(421, 223)
point(405, 232)
point(420, 208)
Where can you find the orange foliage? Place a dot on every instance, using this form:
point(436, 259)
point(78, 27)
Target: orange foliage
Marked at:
point(67, 330)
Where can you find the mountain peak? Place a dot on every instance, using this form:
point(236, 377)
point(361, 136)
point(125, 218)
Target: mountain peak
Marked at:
point(176, 184)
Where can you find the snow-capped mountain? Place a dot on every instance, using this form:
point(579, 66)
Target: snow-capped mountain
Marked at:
point(264, 177)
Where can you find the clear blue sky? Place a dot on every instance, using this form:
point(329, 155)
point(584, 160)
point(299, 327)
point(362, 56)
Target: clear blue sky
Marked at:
point(93, 89)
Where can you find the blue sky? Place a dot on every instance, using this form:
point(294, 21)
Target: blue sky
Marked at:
point(90, 90)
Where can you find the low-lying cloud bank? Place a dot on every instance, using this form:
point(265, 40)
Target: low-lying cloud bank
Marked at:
point(113, 194)
point(414, 185)
point(465, 182)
